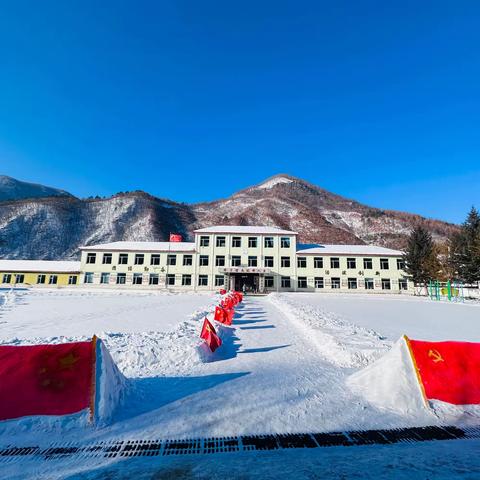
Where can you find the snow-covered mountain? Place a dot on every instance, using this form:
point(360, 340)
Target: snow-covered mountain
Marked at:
point(54, 227)
point(12, 189)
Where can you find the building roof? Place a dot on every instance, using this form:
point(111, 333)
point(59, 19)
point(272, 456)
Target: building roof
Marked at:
point(260, 230)
point(53, 266)
point(372, 250)
point(143, 247)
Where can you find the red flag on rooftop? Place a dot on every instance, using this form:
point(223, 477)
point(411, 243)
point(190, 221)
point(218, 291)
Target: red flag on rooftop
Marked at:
point(448, 371)
point(210, 335)
point(46, 379)
point(176, 237)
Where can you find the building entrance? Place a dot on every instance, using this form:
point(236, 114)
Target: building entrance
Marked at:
point(250, 280)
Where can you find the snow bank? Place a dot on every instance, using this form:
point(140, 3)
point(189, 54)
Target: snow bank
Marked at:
point(109, 385)
point(390, 382)
point(340, 342)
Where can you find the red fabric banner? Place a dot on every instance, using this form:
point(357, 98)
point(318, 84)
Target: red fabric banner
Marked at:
point(448, 371)
point(45, 379)
point(175, 237)
point(219, 315)
point(210, 335)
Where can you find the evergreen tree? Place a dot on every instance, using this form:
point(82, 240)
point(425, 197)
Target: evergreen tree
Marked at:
point(465, 249)
point(421, 262)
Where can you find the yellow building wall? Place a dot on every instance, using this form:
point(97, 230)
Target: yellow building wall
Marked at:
point(31, 278)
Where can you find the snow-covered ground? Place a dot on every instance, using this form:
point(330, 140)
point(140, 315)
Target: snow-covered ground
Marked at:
point(283, 367)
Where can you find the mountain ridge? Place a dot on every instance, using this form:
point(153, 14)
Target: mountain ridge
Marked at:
point(54, 227)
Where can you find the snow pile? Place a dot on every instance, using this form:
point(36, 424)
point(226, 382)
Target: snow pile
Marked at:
point(390, 382)
point(340, 342)
point(274, 181)
point(109, 385)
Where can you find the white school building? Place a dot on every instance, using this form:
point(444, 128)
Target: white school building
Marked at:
point(258, 258)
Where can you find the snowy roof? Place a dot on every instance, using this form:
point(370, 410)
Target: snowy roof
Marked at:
point(260, 230)
point(144, 246)
point(348, 250)
point(39, 266)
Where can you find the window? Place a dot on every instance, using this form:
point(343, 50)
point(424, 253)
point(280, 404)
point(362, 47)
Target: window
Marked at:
point(285, 242)
point(204, 241)
point(268, 242)
point(155, 259)
point(384, 264)
point(268, 262)
point(334, 262)
point(170, 279)
point(302, 262)
point(107, 259)
point(137, 278)
point(386, 285)
point(220, 241)
point(269, 283)
point(203, 260)
point(7, 278)
point(351, 263)
point(252, 261)
point(286, 282)
point(352, 283)
point(252, 242)
point(403, 284)
point(19, 278)
point(335, 282)
point(318, 262)
point(171, 259)
point(153, 279)
point(219, 261)
point(302, 282)
point(400, 264)
point(285, 262)
point(367, 263)
point(319, 282)
point(41, 279)
point(219, 280)
point(236, 260)
point(139, 258)
point(52, 280)
point(121, 278)
point(369, 285)
point(105, 277)
point(187, 260)
point(123, 259)
point(88, 278)
point(203, 280)
point(236, 242)
point(186, 280)
point(91, 257)
point(72, 279)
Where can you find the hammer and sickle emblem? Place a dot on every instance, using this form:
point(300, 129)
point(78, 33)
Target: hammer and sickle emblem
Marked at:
point(435, 355)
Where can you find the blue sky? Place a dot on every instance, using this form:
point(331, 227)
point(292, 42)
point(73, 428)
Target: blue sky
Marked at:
point(377, 101)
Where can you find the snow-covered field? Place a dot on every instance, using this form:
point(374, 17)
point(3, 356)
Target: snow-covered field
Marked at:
point(284, 367)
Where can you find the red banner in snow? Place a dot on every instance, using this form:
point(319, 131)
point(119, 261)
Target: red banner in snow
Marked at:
point(448, 371)
point(46, 379)
point(210, 336)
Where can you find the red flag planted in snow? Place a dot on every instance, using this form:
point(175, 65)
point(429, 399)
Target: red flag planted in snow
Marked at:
point(222, 291)
point(46, 379)
point(219, 314)
point(229, 316)
point(448, 371)
point(210, 335)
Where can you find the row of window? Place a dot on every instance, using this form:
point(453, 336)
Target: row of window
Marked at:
point(154, 279)
point(336, 282)
point(268, 242)
point(236, 261)
point(41, 279)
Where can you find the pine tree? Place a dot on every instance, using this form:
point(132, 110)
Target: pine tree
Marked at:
point(421, 262)
point(465, 249)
